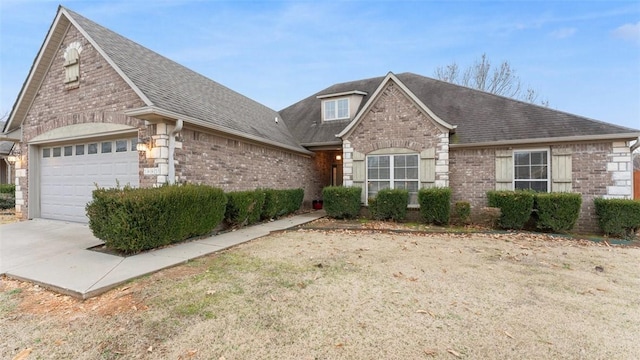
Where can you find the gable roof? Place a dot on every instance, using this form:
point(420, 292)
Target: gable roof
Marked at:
point(479, 118)
point(166, 87)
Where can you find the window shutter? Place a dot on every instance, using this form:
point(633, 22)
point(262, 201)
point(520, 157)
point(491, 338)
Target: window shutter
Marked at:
point(359, 177)
point(561, 170)
point(504, 170)
point(428, 168)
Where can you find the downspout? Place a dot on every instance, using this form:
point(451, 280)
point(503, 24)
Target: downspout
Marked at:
point(172, 148)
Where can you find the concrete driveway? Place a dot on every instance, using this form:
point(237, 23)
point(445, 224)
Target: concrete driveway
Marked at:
point(55, 254)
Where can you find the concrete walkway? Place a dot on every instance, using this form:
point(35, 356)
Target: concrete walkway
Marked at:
point(55, 254)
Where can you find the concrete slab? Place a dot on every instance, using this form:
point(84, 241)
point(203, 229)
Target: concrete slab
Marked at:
point(72, 273)
point(54, 254)
point(28, 241)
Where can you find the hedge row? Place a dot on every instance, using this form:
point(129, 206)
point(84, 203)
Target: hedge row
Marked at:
point(132, 220)
point(7, 189)
point(389, 204)
point(618, 217)
point(435, 205)
point(341, 202)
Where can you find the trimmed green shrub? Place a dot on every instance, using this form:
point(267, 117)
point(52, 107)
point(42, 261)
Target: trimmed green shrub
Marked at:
point(7, 201)
point(293, 200)
point(389, 204)
point(341, 202)
point(132, 220)
point(515, 207)
point(557, 212)
point(462, 211)
point(281, 202)
point(7, 189)
point(435, 205)
point(618, 217)
point(244, 207)
point(271, 206)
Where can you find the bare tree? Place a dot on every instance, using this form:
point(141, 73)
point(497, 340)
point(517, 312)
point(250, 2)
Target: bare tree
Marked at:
point(501, 80)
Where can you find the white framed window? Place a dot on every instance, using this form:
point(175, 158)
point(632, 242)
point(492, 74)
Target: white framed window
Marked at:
point(393, 172)
point(336, 109)
point(531, 170)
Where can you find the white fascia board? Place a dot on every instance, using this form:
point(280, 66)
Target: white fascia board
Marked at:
point(345, 93)
point(563, 139)
point(124, 77)
point(374, 96)
point(29, 82)
point(153, 110)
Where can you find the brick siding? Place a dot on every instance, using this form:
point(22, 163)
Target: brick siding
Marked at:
point(101, 96)
point(234, 164)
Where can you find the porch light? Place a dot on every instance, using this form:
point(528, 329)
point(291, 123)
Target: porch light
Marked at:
point(12, 159)
point(142, 147)
point(338, 157)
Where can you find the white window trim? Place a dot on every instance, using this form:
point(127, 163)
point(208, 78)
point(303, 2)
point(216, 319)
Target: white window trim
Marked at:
point(391, 173)
point(324, 112)
point(513, 164)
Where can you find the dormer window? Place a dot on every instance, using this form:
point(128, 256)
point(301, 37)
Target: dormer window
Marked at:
point(342, 105)
point(336, 109)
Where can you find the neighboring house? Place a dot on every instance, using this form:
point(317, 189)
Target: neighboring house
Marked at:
point(93, 98)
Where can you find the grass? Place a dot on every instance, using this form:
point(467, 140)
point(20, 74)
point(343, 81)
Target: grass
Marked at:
point(351, 295)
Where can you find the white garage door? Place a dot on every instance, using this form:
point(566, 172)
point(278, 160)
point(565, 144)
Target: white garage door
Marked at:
point(69, 173)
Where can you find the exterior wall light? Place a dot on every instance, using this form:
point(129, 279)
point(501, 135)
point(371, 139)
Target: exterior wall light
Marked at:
point(12, 159)
point(338, 157)
point(142, 147)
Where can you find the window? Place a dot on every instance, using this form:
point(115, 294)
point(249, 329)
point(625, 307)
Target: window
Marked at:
point(46, 152)
point(56, 152)
point(106, 147)
point(531, 170)
point(393, 172)
point(68, 150)
point(336, 109)
point(79, 149)
point(92, 148)
point(134, 143)
point(121, 145)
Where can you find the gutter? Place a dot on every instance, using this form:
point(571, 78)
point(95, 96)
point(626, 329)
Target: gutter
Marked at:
point(172, 149)
point(635, 146)
point(623, 136)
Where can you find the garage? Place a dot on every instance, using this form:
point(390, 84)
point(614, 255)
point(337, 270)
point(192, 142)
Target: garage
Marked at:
point(69, 173)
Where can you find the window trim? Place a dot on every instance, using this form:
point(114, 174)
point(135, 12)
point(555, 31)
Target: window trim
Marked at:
point(391, 178)
point(337, 116)
point(531, 150)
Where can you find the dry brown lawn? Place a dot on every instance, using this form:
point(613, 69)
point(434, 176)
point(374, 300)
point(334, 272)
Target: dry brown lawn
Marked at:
point(346, 294)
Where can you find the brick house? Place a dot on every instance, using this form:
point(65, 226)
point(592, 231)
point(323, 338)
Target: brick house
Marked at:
point(97, 107)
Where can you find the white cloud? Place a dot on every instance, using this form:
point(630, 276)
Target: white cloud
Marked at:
point(630, 32)
point(563, 33)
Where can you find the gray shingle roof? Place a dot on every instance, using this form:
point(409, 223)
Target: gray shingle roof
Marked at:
point(480, 117)
point(173, 87)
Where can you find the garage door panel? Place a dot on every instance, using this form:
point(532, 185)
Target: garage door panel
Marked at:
point(67, 182)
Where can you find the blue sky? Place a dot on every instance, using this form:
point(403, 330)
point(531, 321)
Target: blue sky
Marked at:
point(582, 56)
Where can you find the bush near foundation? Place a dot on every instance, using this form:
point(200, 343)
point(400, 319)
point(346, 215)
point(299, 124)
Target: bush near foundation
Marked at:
point(244, 207)
point(131, 220)
point(557, 212)
point(341, 202)
point(389, 204)
point(618, 217)
point(278, 203)
point(7, 196)
point(515, 207)
point(435, 205)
